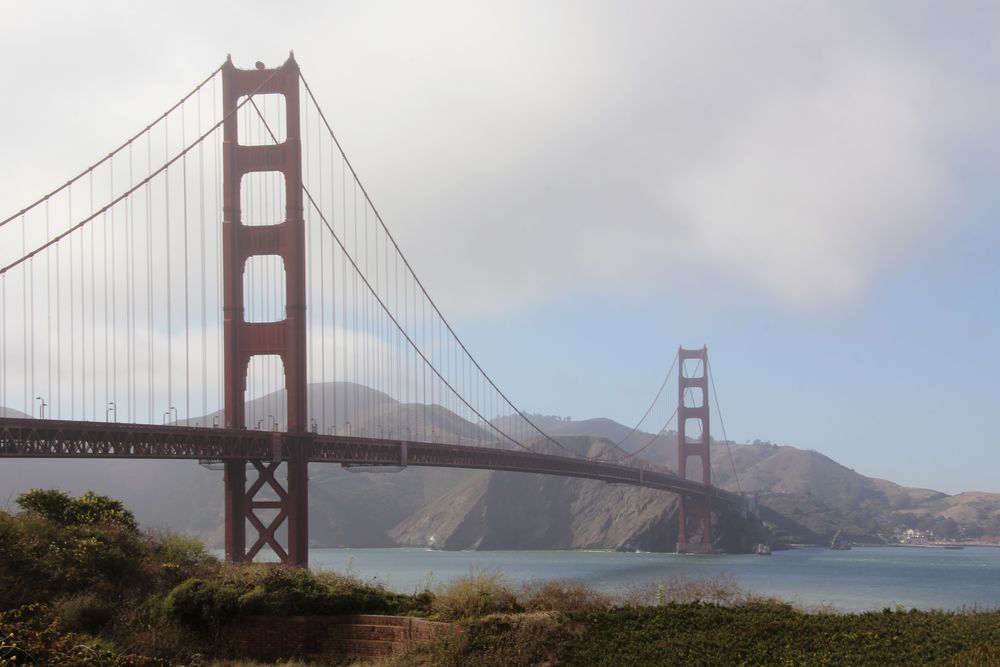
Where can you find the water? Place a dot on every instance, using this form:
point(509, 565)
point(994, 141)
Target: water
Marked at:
point(857, 580)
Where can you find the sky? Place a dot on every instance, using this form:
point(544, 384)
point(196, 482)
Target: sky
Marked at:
point(809, 189)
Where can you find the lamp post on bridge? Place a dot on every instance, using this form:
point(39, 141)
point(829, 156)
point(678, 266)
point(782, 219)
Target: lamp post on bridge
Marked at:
point(41, 413)
point(108, 412)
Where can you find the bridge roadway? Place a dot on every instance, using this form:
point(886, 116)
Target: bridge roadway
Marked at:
point(49, 438)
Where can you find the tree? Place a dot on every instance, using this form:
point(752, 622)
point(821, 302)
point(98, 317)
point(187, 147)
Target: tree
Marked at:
point(49, 503)
point(944, 528)
point(88, 510)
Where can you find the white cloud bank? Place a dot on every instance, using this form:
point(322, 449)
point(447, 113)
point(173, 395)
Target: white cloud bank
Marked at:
point(527, 152)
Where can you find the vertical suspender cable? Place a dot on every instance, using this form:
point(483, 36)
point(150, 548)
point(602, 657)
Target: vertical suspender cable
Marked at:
point(72, 310)
point(24, 325)
point(31, 319)
point(170, 319)
point(82, 328)
point(3, 344)
point(314, 301)
point(48, 311)
point(105, 284)
point(93, 306)
point(348, 339)
point(217, 150)
point(203, 275)
point(354, 314)
point(367, 329)
point(113, 284)
point(149, 281)
point(718, 411)
point(187, 318)
point(130, 260)
point(333, 288)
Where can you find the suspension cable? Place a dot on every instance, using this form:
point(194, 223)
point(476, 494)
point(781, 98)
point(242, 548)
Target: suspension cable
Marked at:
point(718, 409)
point(655, 399)
point(406, 335)
point(423, 289)
point(54, 240)
point(661, 432)
point(374, 293)
point(110, 155)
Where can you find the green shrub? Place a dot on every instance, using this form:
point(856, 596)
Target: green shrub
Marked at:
point(32, 630)
point(174, 557)
point(266, 590)
point(495, 640)
point(44, 560)
point(202, 605)
point(87, 613)
point(87, 510)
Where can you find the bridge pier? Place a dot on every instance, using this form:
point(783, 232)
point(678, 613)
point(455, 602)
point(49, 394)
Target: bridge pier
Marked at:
point(235, 481)
point(694, 514)
point(285, 338)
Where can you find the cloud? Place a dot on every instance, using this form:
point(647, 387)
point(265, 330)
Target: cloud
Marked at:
point(815, 192)
point(795, 155)
point(529, 153)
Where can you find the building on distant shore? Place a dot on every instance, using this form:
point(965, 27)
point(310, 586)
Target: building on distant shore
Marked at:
point(913, 536)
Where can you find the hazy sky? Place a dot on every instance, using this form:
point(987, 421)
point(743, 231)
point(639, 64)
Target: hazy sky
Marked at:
point(810, 189)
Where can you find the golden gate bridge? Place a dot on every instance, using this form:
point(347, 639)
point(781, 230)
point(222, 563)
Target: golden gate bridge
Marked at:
point(134, 325)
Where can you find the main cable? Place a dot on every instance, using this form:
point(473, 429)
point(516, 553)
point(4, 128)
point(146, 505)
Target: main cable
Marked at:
point(655, 399)
point(110, 155)
point(138, 185)
point(423, 289)
point(718, 409)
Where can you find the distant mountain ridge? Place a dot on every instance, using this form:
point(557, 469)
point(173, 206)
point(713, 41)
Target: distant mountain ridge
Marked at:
point(804, 496)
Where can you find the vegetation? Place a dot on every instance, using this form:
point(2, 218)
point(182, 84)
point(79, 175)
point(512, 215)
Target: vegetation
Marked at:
point(80, 584)
point(710, 622)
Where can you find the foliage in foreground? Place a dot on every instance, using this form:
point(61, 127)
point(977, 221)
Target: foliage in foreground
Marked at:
point(759, 633)
point(81, 585)
point(204, 604)
point(777, 633)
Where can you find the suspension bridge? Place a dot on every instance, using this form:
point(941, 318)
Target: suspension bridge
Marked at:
point(134, 325)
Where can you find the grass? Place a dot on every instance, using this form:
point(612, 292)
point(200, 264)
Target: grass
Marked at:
point(478, 594)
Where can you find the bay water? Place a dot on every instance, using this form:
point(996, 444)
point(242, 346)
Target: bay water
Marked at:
point(861, 579)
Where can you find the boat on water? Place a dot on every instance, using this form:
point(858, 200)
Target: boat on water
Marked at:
point(761, 550)
point(839, 542)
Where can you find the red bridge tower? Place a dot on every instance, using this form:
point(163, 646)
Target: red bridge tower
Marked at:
point(285, 338)
point(694, 513)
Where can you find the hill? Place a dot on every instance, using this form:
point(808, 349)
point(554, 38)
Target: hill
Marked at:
point(804, 495)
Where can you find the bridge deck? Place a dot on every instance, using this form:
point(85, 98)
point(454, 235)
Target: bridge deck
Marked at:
point(37, 438)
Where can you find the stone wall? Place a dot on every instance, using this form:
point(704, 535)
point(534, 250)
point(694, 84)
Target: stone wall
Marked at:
point(353, 636)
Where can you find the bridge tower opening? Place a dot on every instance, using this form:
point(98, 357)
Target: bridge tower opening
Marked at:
point(694, 513)
point(285, 338)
